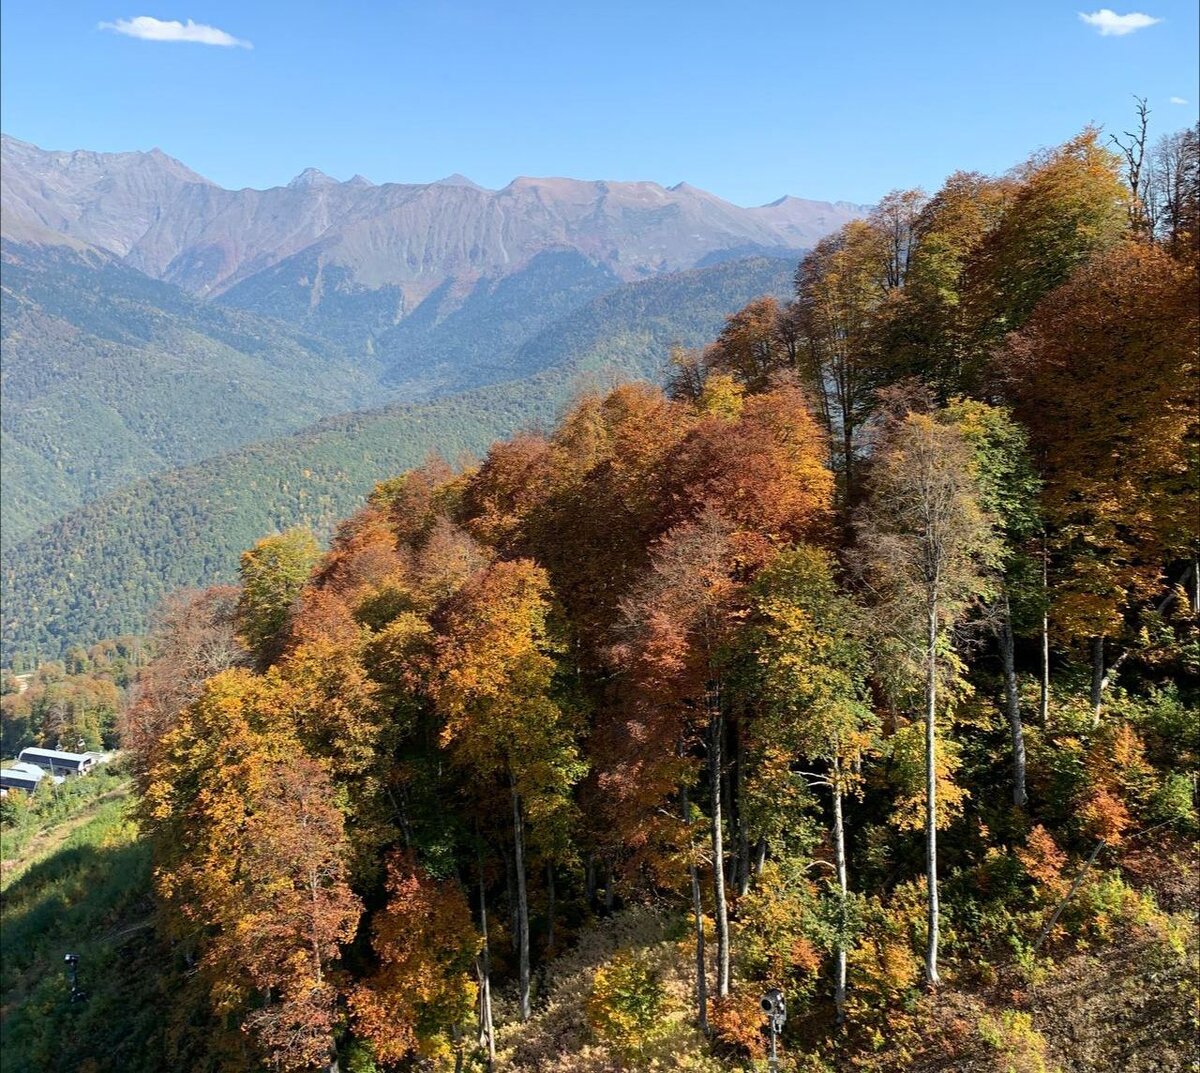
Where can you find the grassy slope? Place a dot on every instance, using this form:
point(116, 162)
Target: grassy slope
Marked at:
point(83, 886)
point(99, 571)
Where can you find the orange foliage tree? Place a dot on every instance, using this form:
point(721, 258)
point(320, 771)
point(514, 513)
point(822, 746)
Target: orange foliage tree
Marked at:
point(417, 999)
point(250, 865)
point(1105, 377)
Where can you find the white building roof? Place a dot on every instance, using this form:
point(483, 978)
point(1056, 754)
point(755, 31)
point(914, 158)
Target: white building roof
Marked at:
point(55, 754)
point(22, 768)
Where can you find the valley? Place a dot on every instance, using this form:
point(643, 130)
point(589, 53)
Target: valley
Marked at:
point(163, 336)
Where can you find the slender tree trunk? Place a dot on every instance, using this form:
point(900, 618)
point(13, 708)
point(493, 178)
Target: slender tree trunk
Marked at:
point(610, 893)
point(589, 880)
point(1044, 710)
point(931, 874)
point(848, 460)
point(839, 859)
point(1097, 678)
point(729, 812)
point(760, 856)
point(743, 830)
point(1044, 701)
point(510, 888)
point(1049, 926)
point(1012, 702)
point(720, 907)
point(551, 908)
point(522, 901)
point(698, 912)
point(487, 1035)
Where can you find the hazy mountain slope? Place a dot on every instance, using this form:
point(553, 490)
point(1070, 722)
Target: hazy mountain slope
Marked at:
point(99, 570)
point(175, 225)
point(452, 338)
point(109, 376)
point(108, 200)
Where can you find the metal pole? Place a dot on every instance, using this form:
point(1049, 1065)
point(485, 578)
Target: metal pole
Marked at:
point(774, 1006)
point(72, 962)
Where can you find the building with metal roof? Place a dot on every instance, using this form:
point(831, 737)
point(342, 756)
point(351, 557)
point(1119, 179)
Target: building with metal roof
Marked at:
point(21, 776)
point(58, 763)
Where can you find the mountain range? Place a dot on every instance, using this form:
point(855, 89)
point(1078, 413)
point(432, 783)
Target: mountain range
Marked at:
point(153, 320)
point(327, 237)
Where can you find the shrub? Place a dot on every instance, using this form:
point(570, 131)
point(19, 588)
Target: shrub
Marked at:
point(1172, 803)
point(884, 966)
point(627, 1005)
point(737, 1021)
point(1018, 1047)
point(785, 929)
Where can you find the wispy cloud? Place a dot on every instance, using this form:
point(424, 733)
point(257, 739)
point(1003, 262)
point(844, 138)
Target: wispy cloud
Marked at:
point(1179, 100)
point(1110, 24)
point(152, 29)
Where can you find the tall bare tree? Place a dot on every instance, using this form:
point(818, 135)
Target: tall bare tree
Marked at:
point(1133, 149)
point(1173, 190)
point(930, 549)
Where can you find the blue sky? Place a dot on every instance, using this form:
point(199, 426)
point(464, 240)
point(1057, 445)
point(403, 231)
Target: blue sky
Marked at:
point(750, 100)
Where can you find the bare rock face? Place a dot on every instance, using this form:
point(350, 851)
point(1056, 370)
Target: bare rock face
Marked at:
point(108, 200)
point(172, 224)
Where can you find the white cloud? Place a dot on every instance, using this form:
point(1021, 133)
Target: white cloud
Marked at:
point(1110, 24)
point(1179, 100)
point(151, 29)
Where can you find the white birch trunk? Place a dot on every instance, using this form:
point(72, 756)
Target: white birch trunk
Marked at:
point(931, 873)
point(698, 912)
point(720, 907)
point(839, 859)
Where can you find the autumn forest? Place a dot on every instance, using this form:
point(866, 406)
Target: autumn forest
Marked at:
point(860, 659)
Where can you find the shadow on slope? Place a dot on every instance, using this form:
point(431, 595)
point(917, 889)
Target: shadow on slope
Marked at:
point(90, 897)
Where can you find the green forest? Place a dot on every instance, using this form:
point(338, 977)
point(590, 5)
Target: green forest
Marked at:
point(860, 660)
point(110, 376)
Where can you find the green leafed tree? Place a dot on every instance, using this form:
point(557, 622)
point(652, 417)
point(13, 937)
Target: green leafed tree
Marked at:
point(273, 572)
point(809, 664)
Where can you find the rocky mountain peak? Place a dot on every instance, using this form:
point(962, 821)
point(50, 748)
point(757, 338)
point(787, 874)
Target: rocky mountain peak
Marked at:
point(458, 180)
point(311, 177)
point(166, 221)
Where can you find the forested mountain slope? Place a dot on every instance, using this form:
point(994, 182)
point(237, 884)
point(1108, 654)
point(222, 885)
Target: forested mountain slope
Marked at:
point(99, 570)
point(110, 376)
point(860, 660)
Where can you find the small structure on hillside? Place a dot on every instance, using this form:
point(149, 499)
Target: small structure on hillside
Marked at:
point(23, 776)
point(58, 763)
